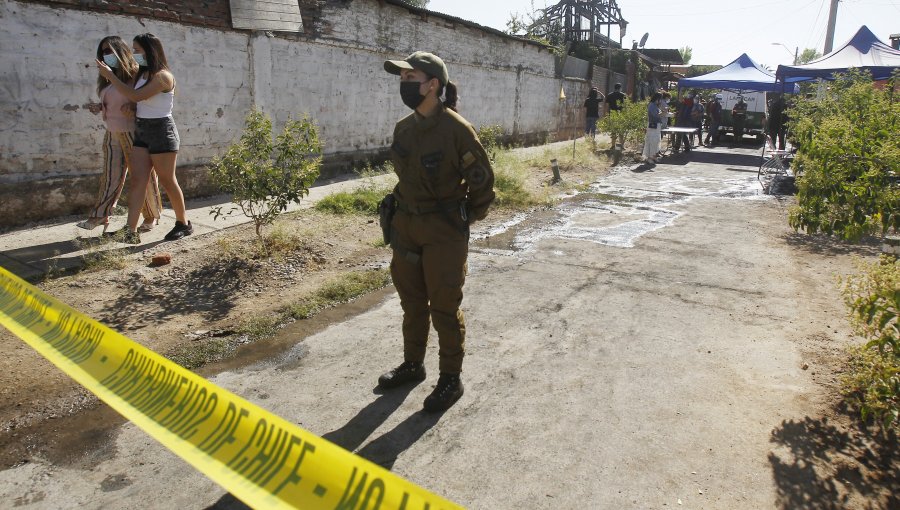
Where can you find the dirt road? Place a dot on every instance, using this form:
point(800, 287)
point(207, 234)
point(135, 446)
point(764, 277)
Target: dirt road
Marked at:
point(661, 340)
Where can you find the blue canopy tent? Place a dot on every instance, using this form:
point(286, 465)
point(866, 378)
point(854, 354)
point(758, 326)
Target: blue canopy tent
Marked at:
point(862, 51)
point(741, 75)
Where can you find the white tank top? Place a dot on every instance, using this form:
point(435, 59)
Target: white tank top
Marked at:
point(155, 107)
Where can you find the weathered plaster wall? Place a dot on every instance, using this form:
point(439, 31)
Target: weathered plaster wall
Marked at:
point(50, 144)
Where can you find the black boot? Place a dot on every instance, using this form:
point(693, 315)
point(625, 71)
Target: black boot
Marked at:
point(448, 390)
point(406, 372)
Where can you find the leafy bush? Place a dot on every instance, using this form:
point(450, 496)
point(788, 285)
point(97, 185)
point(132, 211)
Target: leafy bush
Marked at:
point(873, 297)
point(490, 139)
point(849, 153)
point(630, 121)
point(263, 176)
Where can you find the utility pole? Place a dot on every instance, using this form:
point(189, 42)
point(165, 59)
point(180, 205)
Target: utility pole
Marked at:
point(832, 21)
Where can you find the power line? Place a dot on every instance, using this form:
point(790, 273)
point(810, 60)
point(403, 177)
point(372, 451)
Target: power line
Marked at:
point(812, 28)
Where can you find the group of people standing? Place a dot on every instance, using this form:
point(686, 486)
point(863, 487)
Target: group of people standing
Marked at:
point(691, 112)
point(137, 94)
point(613, 102)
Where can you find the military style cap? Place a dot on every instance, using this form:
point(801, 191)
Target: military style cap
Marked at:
point(429, 63)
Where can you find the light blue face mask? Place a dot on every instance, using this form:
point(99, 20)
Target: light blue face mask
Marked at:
point(111, 61)
point(140, 59)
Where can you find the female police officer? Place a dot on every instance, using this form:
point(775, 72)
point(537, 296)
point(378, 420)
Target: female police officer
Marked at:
point(446, 182)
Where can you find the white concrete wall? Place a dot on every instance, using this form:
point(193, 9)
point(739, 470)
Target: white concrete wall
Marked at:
point(47, 58)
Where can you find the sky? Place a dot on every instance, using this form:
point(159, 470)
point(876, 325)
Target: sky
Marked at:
point(717, 32)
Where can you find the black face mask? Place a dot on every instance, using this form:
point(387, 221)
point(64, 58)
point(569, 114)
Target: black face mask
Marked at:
point(409, 92)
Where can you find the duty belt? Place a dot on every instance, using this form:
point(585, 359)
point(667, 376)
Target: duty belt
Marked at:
point(418, 209)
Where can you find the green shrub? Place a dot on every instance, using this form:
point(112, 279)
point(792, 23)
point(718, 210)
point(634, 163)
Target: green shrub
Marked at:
point(489, 136)
point(873, 297)
point(264, 176)
point(849, 154)
point(630, 122)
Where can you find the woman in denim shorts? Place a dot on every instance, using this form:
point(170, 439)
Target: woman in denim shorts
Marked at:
point(156, 138)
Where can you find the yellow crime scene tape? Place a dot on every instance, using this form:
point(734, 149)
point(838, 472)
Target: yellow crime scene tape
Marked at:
point(262, 459)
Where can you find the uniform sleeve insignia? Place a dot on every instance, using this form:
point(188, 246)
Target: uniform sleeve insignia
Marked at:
point(467, 159)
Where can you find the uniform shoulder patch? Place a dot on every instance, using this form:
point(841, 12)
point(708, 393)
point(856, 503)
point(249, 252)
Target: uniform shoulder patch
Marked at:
point(467, 159)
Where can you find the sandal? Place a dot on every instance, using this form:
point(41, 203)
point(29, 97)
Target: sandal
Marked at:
point(145, 227)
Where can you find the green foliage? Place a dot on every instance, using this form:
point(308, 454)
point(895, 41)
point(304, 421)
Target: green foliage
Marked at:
point(346, 287)
point(490, 135)
point(264, 176)
point(586, 51)
point(509, 185)
point(808, 55)
point(533, 25)
point(873, 382)
point(849, 153)
point(631, 122)
point(700, 70)
point(686, 53)
point(363, 200)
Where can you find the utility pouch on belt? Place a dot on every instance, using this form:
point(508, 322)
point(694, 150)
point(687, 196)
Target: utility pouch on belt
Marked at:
point(386, 209)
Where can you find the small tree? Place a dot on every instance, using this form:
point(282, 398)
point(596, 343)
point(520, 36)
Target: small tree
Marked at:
point(630, 121)
point(264, 176)
point(489, 136)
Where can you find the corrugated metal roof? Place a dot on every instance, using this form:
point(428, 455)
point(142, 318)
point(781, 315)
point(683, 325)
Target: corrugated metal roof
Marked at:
point(465, 22)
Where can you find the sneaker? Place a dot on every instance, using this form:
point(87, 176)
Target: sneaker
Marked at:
point(408, 371)
point(448, 390)
point(180, 230)
point(124, 235)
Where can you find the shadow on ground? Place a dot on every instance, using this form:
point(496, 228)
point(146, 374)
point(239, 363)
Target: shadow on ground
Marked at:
point(383, 451)
point(211, 290)
point(821, 244)
point(819, 465)
point(715, 158)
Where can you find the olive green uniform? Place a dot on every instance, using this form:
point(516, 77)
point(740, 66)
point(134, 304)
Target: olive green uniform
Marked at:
point(446, 182)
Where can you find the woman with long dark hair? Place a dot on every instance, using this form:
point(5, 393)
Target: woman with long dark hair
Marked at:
point(156, 139)
point(445, 183)
point(118, 115)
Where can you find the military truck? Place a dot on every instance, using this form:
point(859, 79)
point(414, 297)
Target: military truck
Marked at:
point(755, 125)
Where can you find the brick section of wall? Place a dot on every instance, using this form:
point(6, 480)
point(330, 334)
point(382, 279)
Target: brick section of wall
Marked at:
point(208, 13)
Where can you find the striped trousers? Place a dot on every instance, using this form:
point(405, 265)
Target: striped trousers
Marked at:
point(116, 153)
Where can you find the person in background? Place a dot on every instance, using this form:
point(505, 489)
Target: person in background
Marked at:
point(698, 112)
point(615, 102)
point(445, 184)
point(714, 112)
point(156, 140)
point(683, 119)
point(651, 138)
point(118, 115)
point(777, 119)
point(664, 114)
point(592, 112)
point(738, 118)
